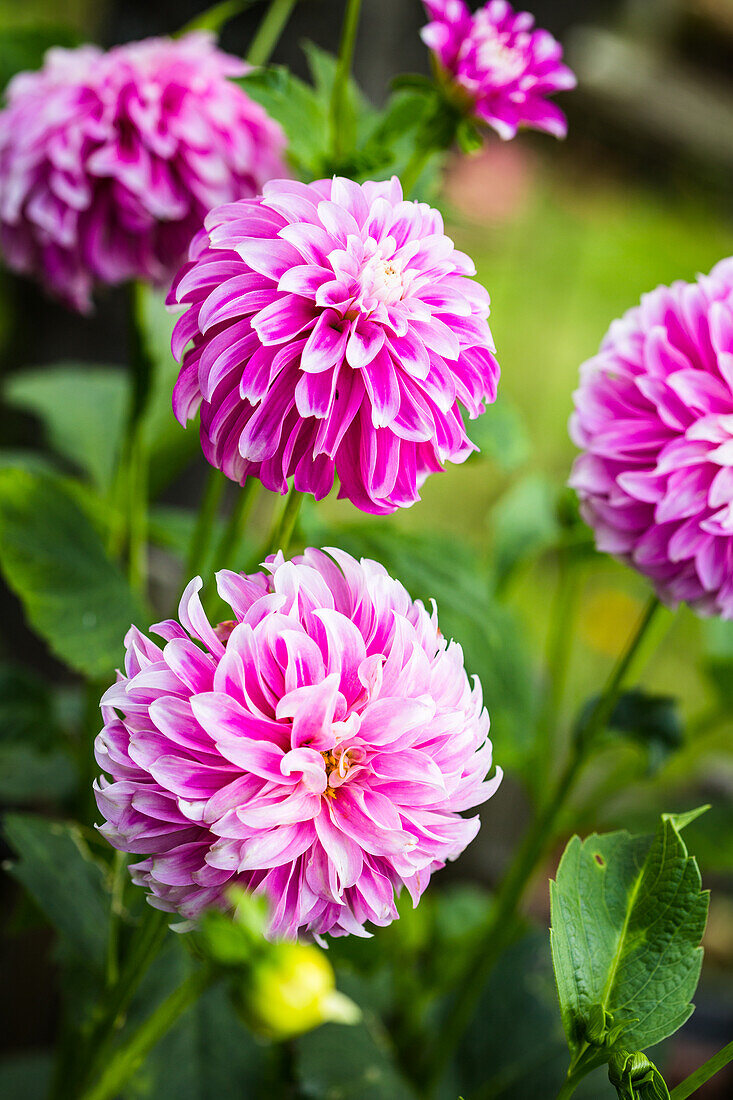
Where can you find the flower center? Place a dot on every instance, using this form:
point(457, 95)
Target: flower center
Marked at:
point(338, 761)
point(383, 279)
point(494, 54)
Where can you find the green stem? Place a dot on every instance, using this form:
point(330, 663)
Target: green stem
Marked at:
point(414, 168)
point(201, 536)
point(233, 532)
point(704, 1073)
point(282, 529)
point(339, 104)
point(537, 841)
point(268, 33)
point(119, 872)
point(137, 485)
point(127, 1058)
point(559, 648)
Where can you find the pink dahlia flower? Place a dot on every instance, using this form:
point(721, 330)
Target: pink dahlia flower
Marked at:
point(499, 66)
point(654, 416)
point(109, 161)
point(333, 330)
point(316, 749)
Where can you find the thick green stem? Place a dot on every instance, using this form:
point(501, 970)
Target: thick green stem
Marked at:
point(201, 536)
point(283, 527)
point(339, 105)
point(123, 1063)
point(537, 841)
point(234, 531)
point(569, 1086)
point(704, 1073)
point(268, 33)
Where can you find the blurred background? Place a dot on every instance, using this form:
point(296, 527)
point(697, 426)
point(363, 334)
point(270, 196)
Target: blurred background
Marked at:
point(565, 237)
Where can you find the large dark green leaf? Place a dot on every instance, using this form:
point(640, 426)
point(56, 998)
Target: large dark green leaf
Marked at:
point(57, 869)
point(55, 561)
point(628, 914)
point(83, 409)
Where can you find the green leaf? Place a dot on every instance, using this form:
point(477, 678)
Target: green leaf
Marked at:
point(56, 868)
point(214, 18)
point(501, 436)
point(525, 523)
point(300, 112)
point(349, 1062)
point(83, 409)
point(628, 914)
point(23, 47)
point(74, 596)
point(169, 446)
point(29, 775)
point(652, 721)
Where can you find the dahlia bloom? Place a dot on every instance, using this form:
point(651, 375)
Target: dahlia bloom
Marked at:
point(654, 416)
point(498, 66)
point(317, 748)
point(333, 331)
point(109, 161)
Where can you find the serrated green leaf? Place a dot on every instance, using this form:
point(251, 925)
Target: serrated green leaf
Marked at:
point(57, 869)
point(300, 112)
point(73, 594)
point(628, 914)
point(83, 409)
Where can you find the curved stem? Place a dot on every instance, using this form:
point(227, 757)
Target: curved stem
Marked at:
point(128, 1057)
point(268, 33)
point(341, 78)
point(201, 536)
point(704, 1073)
point(537, 841)
point(282, 530)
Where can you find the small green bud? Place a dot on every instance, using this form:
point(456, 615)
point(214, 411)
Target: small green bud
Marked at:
point(289, 990)
point(636, 1078)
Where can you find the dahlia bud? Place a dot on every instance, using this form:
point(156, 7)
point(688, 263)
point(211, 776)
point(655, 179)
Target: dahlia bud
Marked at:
point(292, 989)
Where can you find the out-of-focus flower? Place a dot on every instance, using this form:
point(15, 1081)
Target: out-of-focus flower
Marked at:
point(654, 416)
point(498, 67)
point(109, 161)
point(334, 331)
point(316, 749)
point(292, 989)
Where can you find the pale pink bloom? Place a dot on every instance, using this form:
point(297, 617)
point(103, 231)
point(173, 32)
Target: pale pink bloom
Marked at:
point(654, 416)
point(332, 329)
point(499, 65)
point(318, 748)
point(109, 161)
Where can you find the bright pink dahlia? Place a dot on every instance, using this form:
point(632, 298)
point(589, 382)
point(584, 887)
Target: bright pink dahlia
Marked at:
point(501, 66)
point(317, 748)
point(109, 161)
point(654, 416)
point(334, 331)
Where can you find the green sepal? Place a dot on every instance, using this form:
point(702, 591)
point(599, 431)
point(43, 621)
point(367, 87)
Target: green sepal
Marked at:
point(636, 1078)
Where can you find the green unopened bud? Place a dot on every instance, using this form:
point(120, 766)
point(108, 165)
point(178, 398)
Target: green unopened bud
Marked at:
point(636, 1078)
point(292, 989)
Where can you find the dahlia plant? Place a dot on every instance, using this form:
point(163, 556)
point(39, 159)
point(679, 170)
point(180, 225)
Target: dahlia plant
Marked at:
point(274, 738)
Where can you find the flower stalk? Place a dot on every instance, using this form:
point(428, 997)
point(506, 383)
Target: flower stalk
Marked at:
point(268, 33)
point(538, 840)
point(339, 95)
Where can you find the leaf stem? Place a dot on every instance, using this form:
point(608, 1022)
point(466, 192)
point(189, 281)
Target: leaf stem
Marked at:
point(341, 78)
point(703, 1073)
point(538, 839)
point(128, 1057)
point(268, 33)
point(283, 527)
point(201, 536)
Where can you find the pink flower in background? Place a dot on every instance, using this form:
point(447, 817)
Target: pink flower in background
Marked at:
point(654, 416)
point(332, 330)
point(109, 161)
point(317, 748)
point(502, 68)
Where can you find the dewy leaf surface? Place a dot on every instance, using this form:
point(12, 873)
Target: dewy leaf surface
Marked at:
point(628, 915)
